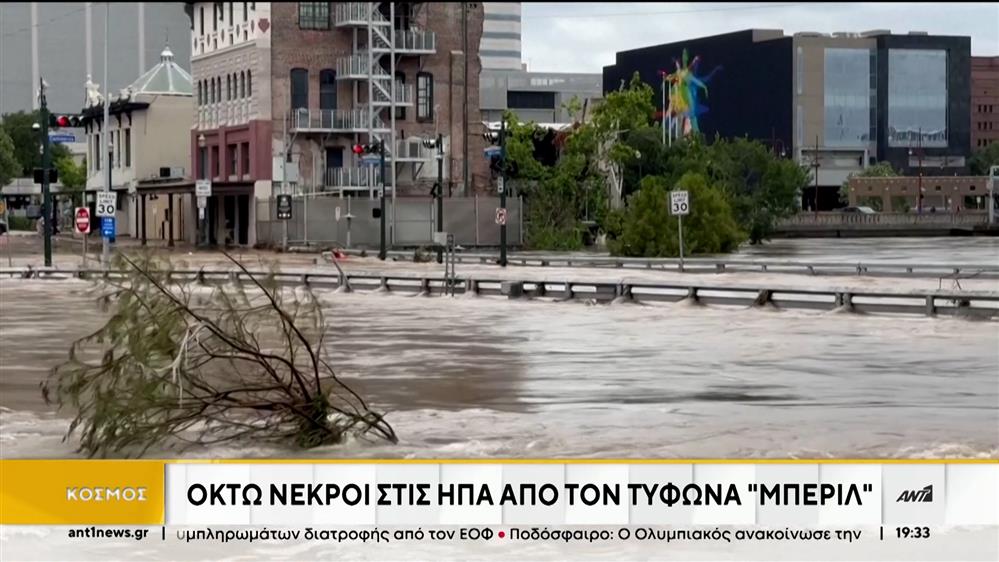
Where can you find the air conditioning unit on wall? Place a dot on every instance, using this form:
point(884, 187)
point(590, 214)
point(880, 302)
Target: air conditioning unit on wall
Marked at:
point(171, 172)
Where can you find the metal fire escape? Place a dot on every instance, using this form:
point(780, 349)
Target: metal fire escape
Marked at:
point(377, 46)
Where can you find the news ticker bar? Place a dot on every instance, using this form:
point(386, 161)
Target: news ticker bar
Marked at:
point(455, 492)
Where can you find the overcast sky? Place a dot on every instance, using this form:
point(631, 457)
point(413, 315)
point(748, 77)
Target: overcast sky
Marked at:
point(583, 37)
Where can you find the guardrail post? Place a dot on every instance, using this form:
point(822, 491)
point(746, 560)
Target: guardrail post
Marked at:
point(425, 286)
point(931, 305)
point(540, 290)
point(844, 300)
point(763, 297)
point(201, 276)
point(719, 268)
point(544, 263)
point(305, 279)
point(472, 286)
point(384, 284)
point(623, 291)
point(692, 293)
point(234, 276)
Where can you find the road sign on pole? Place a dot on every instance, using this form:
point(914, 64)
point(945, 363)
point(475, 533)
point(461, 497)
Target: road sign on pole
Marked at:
point(336, 213)
point(82, 221)
point(679, 206)
point(107, 202)
point(203, 188)
point(500, 216)
point(107, 228)
point(284, 207)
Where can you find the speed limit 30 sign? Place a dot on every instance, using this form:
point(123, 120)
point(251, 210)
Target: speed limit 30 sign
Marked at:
point(107, 201)
point(679, 203)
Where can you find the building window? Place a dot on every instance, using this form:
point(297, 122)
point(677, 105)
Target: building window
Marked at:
point(917, 97)
point(201, 13)
point(215, 17)
point(215, 161)
point(231, 19)
point(244, 157)
point(249, 83)
point(245, 13)
point(128, 148)
point(202, 162)
point(299, 88)
point(327, 89)
point(530, 100)
point(847, 97)
point(233, 159)
point(228, 87)
point(400, 80)
point(199, 94)
point(424, 96)
point(314, 15)
point(242, 84)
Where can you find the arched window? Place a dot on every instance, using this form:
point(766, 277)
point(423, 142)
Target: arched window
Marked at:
point(299, 88)
point(249, 83)
point(242, 80)
point(228, 87)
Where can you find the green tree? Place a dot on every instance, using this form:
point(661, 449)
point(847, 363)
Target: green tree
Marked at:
point(983, 159)
point(10, 168)
point(648, 229)
point(27, 141)
point(879, 170)
point(73, 177)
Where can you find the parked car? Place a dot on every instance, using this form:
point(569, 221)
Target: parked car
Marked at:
point(860, 210)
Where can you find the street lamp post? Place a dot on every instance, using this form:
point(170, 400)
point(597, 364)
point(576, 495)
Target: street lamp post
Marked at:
point(202, 174)
point(382, 252)
point(46, 165)
point(919, 179)
point(438, 191)
point(502, 179)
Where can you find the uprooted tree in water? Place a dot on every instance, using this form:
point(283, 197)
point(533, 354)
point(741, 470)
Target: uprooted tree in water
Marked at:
point(182, 365)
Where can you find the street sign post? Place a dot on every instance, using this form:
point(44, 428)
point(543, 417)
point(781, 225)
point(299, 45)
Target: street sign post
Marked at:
point(107, 202)
point(500, 216)
point(107, 228)
point(82, 221)
point(203, 188)
point(679, 205)
point(284, 207)
point(82, 224)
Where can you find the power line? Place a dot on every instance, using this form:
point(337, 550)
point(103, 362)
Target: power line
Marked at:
point(666, 12)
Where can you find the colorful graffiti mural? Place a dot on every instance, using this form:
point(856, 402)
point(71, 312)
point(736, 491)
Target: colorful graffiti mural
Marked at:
point(684, 87)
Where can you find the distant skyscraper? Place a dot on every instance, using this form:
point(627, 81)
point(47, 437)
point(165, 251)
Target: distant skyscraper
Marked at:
point(62, 42)
point(500, 47)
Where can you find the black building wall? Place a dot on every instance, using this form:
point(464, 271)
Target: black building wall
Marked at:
point(958, 98)
point(750, 96)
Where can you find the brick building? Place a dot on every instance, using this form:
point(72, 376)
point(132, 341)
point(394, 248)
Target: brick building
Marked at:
point(342, 76)
point(902, 194)
point(984, 101)
point(230, 140)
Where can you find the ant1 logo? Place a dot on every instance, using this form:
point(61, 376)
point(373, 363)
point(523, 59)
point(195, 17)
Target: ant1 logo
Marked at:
point(909, 496)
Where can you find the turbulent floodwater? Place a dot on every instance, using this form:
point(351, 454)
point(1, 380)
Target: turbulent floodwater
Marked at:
point(484, 377)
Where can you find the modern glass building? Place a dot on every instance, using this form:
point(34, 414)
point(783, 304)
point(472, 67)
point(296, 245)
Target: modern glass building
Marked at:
point(835, 102)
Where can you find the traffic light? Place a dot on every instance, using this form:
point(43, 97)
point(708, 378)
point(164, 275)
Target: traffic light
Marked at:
point(64, 121)
point(371, 148)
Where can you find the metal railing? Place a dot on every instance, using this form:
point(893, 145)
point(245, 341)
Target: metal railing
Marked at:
point(356, 13)
point(970, 304)
point(367, 177)
point(939, 218)
point(352, 67)
point(346, 120)
point(416, 40)
point(403, 94)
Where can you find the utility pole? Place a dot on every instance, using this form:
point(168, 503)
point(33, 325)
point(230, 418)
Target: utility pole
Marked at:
point(815, 167)
point(464, 102)
point(46, 166)
point(502, 190)
point(439, 192)
point(284, 178)
point(106, 251)
point(382, 253)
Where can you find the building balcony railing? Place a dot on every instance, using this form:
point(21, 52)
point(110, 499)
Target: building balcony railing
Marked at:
point(367, 177)
point(358, 67)
point(333, 121)
point(415, 41)
point(403, 95)
point(355, 14)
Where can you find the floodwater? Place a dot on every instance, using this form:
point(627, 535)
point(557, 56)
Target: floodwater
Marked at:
point(484, 377)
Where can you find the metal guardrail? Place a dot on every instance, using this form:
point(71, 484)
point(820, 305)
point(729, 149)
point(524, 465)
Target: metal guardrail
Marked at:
point(860, 220)
point(709, 265)
point(974, 304)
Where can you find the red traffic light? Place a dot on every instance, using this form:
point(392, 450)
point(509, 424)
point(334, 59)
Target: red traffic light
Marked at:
point(62, 121)
point(359, 149)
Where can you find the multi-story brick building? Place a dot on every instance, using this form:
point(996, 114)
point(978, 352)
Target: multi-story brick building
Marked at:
point(231, 135)
point(346, 73)
point(984, 101)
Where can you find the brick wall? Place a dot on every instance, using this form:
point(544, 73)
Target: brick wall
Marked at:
point(315, 50)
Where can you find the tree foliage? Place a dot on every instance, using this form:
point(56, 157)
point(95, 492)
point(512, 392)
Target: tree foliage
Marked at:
point(983, 159)
point(72, 176)
point(179, 366)
point(649, 230)
point(27, 141)
point(10, 168)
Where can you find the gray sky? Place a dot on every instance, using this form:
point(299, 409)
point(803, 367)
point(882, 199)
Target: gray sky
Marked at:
point(583, 37)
